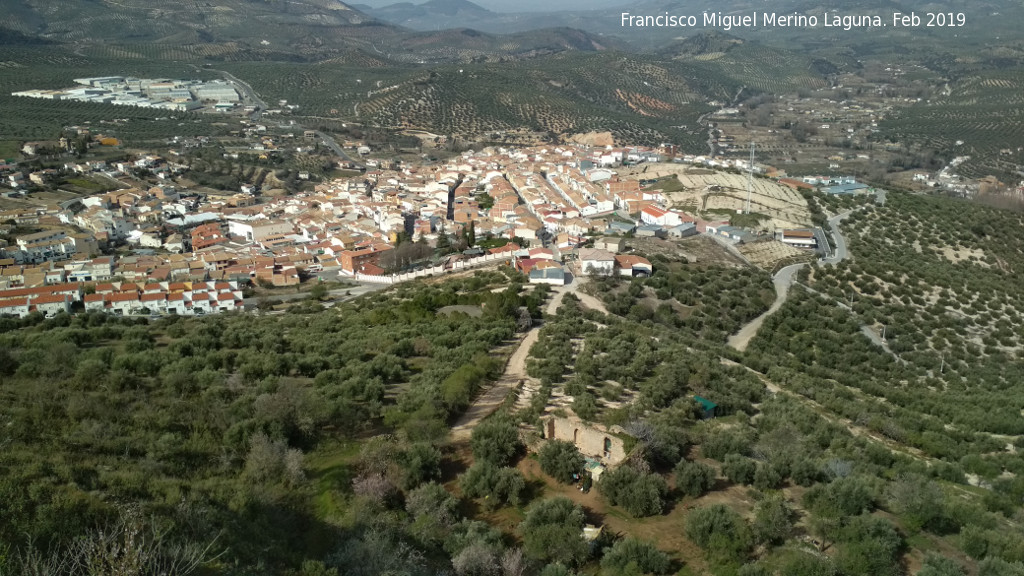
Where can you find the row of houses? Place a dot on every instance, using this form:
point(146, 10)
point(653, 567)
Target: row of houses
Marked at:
point(181, 298)
point(125, 298)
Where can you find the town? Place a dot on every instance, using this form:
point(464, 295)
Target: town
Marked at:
point(549, 211)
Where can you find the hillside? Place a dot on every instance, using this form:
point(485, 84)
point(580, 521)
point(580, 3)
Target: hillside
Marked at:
point(639, 99)
point(433, 14)
point(316, 442)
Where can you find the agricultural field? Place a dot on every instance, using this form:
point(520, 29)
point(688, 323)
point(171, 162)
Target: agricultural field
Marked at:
point(981, 110)
point(799, 460)
point(935, 277)
point(565, 94)
point(762, 69)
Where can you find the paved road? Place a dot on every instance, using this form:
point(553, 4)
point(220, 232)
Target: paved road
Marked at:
point(840, 253)
point(783, 279)
point(333, 145)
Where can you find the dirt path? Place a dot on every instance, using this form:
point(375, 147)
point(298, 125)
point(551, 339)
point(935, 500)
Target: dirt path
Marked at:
point(586, 299)
point(591, 302)
point(515, 371)
point(493, 397)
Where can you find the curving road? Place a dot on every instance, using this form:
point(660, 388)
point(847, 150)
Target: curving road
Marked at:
point(784, 278)
point(841, 252)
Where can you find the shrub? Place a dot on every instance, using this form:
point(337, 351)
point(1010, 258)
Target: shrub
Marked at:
point(433, 512)
point(935, 565)
point(843, 497)
point(1000, 567)
point(495, 485)
point(773, 521)
point(420, 463)
point(495, 441)
point(739, 469)
point(806, 564)
point(767, 477)
point(870, 546)
point(640, 493)
point(561, 460)
point(632, 556)
point(553, 531)
point(721, 532)
point(694, 478)
point(476, 560)
point(918, 500)
point(720, 445)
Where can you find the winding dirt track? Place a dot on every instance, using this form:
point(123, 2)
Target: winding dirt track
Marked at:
point(515, 371)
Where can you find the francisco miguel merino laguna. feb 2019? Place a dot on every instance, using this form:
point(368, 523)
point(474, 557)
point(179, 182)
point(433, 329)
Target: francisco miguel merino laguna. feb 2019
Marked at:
point(794, 20)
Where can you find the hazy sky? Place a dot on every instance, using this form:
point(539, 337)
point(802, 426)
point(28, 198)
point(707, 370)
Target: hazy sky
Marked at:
point(519, 5)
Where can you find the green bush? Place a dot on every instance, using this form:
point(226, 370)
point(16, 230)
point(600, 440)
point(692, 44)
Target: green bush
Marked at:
point(869, 546)
point(561, 460)
point(721, 532)
point(640, 493)
point(843, 497)
point(773, 520)
point(420, 463)
point(632, 556)
point(553, 531)
point(935, 565)
point(739, 469)
point(694, 478)
point(497, 486)
point(496, 441)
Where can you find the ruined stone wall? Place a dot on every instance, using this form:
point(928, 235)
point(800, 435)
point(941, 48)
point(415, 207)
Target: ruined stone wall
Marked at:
point(591, 439)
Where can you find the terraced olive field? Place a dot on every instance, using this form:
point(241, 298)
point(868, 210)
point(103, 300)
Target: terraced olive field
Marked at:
point(942, 277)
point(985, 111)
point(639, 100)
point(760, 68)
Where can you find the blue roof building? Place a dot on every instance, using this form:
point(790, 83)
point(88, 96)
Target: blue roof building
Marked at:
point(846, 188)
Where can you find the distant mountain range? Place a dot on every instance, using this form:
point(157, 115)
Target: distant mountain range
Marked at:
point(287, 29)
point(985, 18)
point(308, 28)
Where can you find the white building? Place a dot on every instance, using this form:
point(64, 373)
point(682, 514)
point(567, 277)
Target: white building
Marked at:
point(595, 262)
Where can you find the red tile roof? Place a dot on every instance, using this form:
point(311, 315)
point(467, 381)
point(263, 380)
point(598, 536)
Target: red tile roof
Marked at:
point(123, 297)
point(654, 211)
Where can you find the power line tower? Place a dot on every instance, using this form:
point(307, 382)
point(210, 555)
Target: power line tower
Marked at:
point(750, 178)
